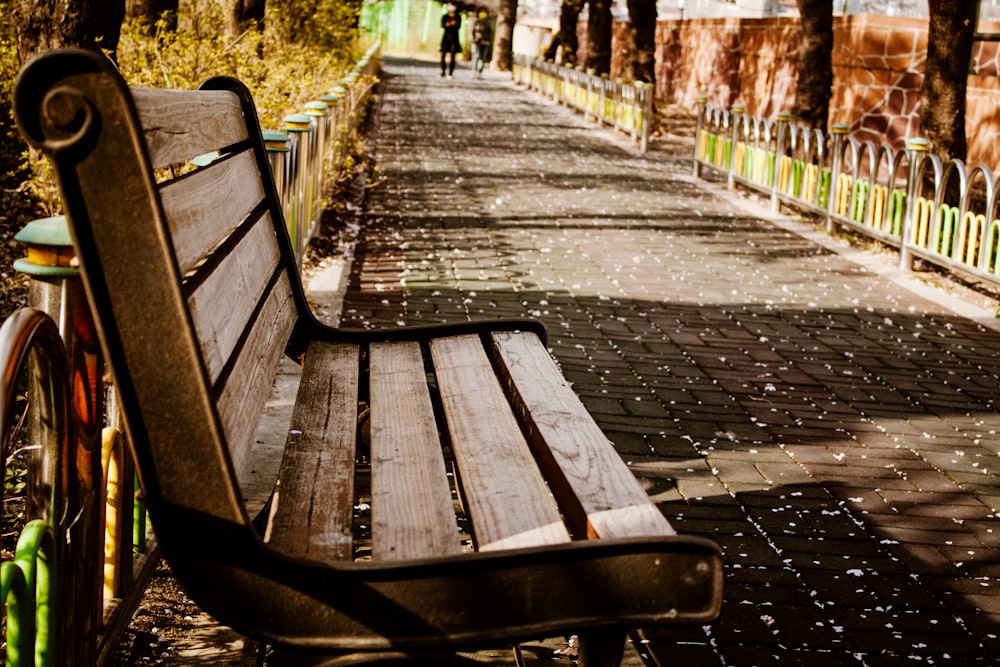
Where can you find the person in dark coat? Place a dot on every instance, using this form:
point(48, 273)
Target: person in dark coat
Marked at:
point(451, 24)
point(482, 37)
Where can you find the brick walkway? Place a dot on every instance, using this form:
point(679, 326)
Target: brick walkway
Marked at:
point(832, 429)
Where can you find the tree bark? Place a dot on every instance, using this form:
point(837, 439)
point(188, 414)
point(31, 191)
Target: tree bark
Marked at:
point(569, 17)
point(149, 12)
point(599, 37)
point(641, 45)
point(815, 77)
point(951, 28)
point(39, 25)
point(243, 14)
point(504, 41)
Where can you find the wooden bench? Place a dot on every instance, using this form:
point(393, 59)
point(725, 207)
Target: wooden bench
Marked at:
point(499, 511)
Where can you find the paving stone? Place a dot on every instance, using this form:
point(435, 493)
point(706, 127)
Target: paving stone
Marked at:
point(787, 408)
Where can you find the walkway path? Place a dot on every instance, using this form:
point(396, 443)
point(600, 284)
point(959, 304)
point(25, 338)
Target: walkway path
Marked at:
point(833, 429)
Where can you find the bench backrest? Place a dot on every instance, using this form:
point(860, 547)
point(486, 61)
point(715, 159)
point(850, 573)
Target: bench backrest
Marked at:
point(188, 269)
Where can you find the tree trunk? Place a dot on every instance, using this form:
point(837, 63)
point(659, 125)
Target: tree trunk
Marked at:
point(950, 34)
point(599, 37)
point(815, 79)
point(149, 12)
point(242, 14)
point(503, 46)
point(39, 25)
point(641, 64)
point(569, 17)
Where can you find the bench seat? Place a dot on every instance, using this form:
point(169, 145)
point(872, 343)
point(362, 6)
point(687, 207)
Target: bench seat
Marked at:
point(562, 481)
point(440, 487)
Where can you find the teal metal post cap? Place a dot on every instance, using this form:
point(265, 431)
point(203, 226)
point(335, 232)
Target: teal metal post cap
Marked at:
point(316, 108)
point(339, 90)
point(840, 128)
point(298, 122)
point(918, 144)
point(46, 231)
point(739, 107)
point(50, 249)
point(275, 141)
point(329, 100)
point(784, 116)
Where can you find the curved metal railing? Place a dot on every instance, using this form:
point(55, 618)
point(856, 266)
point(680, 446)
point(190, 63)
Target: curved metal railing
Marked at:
point(942, 212)
point(30, 344)
point(627, 107)
point(315, 144)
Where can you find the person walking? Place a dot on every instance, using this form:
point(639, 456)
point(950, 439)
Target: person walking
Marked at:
point(482, 38)
point(451, 24)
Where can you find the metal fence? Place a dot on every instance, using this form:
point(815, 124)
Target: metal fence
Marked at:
point(85, 555)
point(315, 143)
point(628, 107)
point(941, 212)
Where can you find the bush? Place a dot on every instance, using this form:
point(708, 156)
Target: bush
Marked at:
point(283, 73)
point(11, 146)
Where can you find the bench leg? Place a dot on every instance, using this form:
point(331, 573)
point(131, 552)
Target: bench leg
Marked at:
point(602, 647)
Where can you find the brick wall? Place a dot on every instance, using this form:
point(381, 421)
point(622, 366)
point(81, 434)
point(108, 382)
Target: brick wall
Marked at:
point(878, 65)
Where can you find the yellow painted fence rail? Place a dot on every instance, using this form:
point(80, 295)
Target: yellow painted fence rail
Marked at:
point(942, 213)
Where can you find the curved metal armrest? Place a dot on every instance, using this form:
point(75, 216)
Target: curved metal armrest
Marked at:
point(465, 600)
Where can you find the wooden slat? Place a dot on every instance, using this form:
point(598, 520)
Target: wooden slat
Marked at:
point(182, 124)
point(241, 400)
point(611, 500)
point(504, 491)
point(312, 511)
point(223, 304)
point(205, 206)
point(412, 511)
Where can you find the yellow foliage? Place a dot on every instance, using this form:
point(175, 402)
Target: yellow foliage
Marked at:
point(282, 74)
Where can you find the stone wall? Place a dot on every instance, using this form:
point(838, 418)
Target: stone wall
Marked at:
point(983, 104)
point(878, 65)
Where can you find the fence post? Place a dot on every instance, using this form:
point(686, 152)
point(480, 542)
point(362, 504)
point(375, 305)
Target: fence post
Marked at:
point(71, 504)
point(839, 131)
point(737, 119)
point(698, 129)
point(341, 120)
point(276, 143)
point(916, 149)
point(647, 113)
point(299, 126)
point(602, 101)
point(332, 102)
point(321, 116)
point(619, 85)
point(779, 152)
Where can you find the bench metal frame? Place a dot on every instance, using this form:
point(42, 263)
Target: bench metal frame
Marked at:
point(74, 106)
